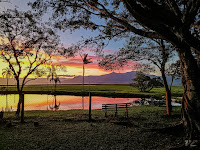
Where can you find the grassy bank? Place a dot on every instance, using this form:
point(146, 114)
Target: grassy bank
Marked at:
point(101, 90)
point(148, 127)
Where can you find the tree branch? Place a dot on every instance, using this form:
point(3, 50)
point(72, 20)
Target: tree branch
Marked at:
point(125, 23)
point(174, 7)
point(29, 80)
point(190, 12)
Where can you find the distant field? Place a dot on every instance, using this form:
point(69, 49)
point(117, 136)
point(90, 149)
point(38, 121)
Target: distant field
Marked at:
point(101, 90)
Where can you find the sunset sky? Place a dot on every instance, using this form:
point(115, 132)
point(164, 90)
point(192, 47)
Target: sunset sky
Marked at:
point(73, 65)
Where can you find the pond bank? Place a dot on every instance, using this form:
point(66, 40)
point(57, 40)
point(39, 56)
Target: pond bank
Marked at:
point(110, 94)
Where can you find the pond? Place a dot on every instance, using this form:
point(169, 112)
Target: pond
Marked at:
point(67, 102)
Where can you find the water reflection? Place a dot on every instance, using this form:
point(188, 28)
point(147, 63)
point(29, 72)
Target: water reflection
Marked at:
point(67, 102)
point(55, 106)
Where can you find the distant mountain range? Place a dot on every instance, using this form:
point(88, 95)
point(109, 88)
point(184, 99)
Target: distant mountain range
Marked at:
point(112, 78)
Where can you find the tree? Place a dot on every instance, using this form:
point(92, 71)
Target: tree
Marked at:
point(149, 54)
point(174, 70)
point(25, 46)
point(177, 22)
point(7, 72)
point(144, 83)
point(85, 61)
point(52, 75)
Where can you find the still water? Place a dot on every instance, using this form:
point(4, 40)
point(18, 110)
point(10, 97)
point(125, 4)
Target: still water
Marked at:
point(67, 102)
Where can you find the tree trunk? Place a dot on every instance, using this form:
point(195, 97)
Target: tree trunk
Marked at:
point(90, 106)
point(19, 102)
point(6, 109)
point(191, 95)
point(168, 93)
point(21, 96)
point(82, 102)
point(22, 111)
point(83, 77)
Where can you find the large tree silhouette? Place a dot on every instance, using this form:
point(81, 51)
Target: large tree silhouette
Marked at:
point(176, 21)
point(26, 45)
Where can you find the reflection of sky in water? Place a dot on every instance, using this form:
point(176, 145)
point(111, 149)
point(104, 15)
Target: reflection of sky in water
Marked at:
point(42, 102)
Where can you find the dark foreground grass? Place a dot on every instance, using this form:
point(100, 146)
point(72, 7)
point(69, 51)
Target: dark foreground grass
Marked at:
point(147, 127)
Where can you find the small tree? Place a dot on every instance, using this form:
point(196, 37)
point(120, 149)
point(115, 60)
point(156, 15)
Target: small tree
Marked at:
point(144, 83)
point(25, 46)
point(54, 77)
point(174, 70)
point(7, 72)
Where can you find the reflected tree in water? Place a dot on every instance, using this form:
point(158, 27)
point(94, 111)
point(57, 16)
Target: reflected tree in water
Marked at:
point(53, 77)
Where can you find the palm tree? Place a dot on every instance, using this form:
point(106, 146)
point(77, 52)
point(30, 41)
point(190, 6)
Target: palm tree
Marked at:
point(85, 61)
point(8, 73)
point(55, 80)
point(52, 75)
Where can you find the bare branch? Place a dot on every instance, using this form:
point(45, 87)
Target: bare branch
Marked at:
point(190, 12)
point(125, 23)
point(174, 7)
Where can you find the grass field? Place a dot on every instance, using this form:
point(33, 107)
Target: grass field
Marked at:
point(102, 90)
point(147, 127)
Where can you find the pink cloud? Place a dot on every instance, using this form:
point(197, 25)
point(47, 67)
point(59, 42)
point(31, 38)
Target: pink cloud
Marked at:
point(76, 62)
point(109, 51)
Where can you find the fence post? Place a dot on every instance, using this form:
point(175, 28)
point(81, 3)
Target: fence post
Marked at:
point(106, 111)
point(116, 110)
point(126, 110)
point(1, 115)
point(90, 99)
point(22, 111)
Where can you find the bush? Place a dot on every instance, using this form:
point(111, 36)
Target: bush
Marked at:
point(144, 83)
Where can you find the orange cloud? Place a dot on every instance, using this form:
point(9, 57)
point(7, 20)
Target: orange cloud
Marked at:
point(74, 65)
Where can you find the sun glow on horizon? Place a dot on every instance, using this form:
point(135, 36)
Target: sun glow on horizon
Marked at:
point(74, 65)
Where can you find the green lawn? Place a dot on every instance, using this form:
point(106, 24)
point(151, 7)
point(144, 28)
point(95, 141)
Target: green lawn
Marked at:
point(147, 127)
point(104, 90)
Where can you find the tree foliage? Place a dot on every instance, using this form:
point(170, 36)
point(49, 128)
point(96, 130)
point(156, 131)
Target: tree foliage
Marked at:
point(7, 72)
point(26, 44)
point(52, 73)
point(146, 52)
point(144, 83)
point(85, 61)
point(149, 54)
point(174, 70)
point(132, 16)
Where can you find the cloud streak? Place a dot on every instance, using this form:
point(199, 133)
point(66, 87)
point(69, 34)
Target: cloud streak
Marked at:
point(75, 64)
